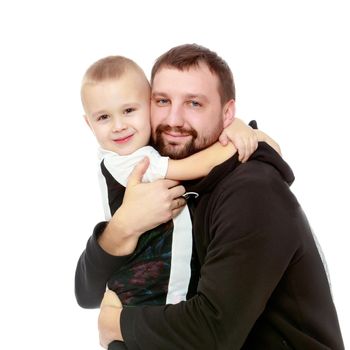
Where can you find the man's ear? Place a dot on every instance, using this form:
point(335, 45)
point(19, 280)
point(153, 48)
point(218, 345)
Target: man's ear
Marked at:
point(229, 112)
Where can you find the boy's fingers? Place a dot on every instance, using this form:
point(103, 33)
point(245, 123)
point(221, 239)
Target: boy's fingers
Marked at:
point(136, 175)
point(110, 298)
point(223, 139)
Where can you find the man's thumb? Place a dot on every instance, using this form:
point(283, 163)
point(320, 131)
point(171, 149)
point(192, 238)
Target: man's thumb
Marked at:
point(136, 175)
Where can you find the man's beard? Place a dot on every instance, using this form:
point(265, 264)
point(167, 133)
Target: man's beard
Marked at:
point(175, 151)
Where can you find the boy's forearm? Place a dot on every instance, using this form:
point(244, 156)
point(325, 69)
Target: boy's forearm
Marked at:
point(201, 163)
point(262, 137)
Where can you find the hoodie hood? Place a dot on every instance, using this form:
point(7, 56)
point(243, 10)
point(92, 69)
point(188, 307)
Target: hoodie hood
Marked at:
point(264, 153)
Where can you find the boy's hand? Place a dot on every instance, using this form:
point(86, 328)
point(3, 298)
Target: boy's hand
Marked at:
point(243, 137)
point(111, 299)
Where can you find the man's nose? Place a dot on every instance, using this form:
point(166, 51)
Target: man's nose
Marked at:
point(175, 116)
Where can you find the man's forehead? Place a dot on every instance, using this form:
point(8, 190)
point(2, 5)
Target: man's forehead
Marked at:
point(191, 81)
point(200, 67)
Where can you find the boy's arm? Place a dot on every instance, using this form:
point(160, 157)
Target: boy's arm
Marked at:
point(262, 137)
point(242, 136)
point(246, 138)
point(201, 163)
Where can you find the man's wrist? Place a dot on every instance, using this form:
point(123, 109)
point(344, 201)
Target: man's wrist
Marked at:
point(117, 242)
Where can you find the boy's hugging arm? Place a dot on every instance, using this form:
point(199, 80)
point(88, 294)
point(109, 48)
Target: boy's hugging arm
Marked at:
point(120, 167)
point(201, 163)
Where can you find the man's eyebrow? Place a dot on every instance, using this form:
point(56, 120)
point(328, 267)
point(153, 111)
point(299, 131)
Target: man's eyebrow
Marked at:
point(197, 96)
point(186, 96)
point(158, 93)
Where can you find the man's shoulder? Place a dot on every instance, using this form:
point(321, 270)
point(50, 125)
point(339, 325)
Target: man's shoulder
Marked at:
point(253, 174)
point(253, 186)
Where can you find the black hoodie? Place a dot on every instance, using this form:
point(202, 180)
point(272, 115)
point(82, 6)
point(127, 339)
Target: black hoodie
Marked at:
point(262, 283)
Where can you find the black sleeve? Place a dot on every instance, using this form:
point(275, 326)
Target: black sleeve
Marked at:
point(249, 245)
point(94, 268)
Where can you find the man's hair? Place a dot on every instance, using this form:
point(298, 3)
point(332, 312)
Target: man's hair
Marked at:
point(111, 67)
point(187, 56)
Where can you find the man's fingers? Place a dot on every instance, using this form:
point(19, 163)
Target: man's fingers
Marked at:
point(136, 175)
point(177, 191)
point(177, 211)
point(170, 183)
point(178, 203)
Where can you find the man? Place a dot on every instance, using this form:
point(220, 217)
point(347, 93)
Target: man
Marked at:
point(262, 284)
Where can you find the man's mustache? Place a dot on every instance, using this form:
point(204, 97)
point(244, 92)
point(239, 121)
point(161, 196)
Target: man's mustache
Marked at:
point(176, 129)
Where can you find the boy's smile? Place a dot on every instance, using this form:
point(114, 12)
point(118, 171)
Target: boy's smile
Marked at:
point(122, 140)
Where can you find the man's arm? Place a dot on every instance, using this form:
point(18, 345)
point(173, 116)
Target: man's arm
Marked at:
point(94, 268)
point(242, 267)
point(145, 206)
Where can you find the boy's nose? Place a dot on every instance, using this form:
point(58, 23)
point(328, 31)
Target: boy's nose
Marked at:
point(118, 124)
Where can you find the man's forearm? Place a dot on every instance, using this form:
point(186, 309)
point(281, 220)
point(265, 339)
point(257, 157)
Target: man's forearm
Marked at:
point(94, 268)
point(117, 239)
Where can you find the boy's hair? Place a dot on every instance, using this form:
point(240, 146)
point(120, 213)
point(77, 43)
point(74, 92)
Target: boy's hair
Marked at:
point(111, 67)
point(191, 55)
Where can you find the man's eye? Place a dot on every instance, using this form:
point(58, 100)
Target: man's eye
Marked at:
point(102, 117)
point(194, 103)
point(162, 101)
point(129, 110)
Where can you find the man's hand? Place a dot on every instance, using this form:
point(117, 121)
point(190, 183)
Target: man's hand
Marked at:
point(145, 206)
point(109, 319)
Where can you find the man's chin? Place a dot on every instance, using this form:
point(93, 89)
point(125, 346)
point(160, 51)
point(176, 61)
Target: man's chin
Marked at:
point(176, 151)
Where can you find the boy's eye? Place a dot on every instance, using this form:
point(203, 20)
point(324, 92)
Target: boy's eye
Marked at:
point(129, 110)
point(102, 117)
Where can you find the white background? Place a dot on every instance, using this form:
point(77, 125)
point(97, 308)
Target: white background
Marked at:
point(290, 60)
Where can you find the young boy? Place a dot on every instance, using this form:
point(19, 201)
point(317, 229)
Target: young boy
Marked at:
point(116, 99)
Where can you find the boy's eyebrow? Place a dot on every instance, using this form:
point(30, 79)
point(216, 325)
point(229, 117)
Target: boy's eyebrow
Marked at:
point(98, 113)
point(125, 105)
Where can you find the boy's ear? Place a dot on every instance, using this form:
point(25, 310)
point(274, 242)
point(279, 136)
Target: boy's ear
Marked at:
point(87, 120)
point(229, 112)
point(88, 123)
